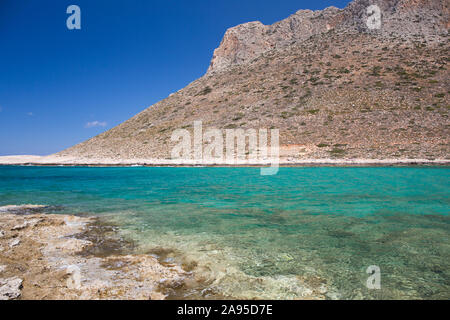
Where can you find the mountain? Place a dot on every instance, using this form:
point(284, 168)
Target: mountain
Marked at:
point(334, 87)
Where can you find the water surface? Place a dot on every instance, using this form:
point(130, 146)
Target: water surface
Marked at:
point(276, 236)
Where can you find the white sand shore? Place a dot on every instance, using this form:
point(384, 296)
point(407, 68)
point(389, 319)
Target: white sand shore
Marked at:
point(71, 161)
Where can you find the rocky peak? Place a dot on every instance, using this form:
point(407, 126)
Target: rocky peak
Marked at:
point(404, 18)
point(247, 41)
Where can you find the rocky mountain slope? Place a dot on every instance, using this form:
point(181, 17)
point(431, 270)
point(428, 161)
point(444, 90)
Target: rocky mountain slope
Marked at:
point(332, 86)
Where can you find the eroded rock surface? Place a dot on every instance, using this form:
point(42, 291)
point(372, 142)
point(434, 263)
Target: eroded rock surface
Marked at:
point(43, 259)
point(10, 288)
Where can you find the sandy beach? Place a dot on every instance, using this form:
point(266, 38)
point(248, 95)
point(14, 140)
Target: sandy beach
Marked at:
point(54, 160)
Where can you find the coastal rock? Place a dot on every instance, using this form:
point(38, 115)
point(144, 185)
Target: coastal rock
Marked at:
point(73, 245)
point(7, 208)
point(61, 265)
point(19, 227)
point(28, 223)
point(14, 242)
point(10, 288)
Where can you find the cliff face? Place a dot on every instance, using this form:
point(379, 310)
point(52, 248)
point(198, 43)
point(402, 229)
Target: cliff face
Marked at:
point(332, 86)
point(404, 18)
point(247, 41)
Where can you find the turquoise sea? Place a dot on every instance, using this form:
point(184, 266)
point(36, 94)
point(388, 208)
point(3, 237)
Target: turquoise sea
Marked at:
point(274, 237)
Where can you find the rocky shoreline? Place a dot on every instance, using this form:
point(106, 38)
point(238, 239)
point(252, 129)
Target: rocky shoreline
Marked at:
point(52, 257)
point(45, 256)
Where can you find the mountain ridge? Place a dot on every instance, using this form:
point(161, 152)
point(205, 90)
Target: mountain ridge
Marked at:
point(246, 41)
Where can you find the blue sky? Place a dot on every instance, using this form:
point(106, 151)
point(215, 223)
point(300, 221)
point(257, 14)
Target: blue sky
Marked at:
point(59, 87)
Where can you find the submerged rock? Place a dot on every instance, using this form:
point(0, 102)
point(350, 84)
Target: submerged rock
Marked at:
point(25, 209)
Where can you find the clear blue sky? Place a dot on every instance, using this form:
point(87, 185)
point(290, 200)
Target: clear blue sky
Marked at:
point(127, 56)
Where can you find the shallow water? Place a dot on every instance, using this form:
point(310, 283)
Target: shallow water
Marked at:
point(277, 237)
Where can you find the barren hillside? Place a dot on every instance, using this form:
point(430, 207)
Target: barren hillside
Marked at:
point(333, 87)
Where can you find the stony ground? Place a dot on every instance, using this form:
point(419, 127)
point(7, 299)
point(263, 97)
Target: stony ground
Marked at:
point(44, 256)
